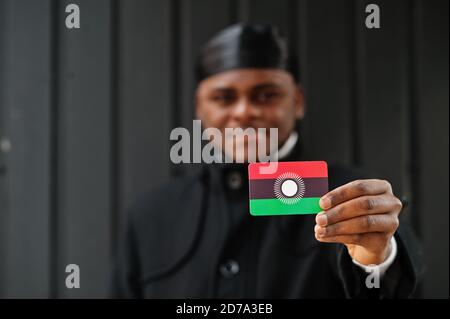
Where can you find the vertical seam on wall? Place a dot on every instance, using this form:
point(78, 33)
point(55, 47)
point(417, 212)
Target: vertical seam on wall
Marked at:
point(4, 194)
point(233, 11)
point(414, 29)
point(413, 170)
point(303, 41)
point(54, 141)
point(175, 74)
point(175, 59)
point(114, 126)
point(186, 71)
point(302, 37)
point(357, 77)
point(243, 10)
point(292, 23)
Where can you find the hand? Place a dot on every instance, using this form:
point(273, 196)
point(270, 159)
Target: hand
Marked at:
point(363, 215)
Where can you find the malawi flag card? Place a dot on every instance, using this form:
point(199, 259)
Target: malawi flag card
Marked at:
point(295, 188)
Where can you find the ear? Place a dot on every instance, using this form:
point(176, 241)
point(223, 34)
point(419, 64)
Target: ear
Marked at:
point(299, 100)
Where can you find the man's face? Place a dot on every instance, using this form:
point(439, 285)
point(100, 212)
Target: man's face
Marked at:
point(250, 98)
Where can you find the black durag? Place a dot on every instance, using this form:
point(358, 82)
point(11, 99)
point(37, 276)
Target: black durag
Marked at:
point(246, 46)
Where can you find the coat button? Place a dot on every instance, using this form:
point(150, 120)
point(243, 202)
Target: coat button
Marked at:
point(234, 180)
point(229, 269)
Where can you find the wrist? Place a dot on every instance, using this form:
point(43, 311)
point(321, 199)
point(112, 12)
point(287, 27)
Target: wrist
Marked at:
point(367, 257)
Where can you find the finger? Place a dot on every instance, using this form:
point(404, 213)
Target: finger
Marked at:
point(354, 189)
point(383, 223)
point(359, 206)
point(365, 240)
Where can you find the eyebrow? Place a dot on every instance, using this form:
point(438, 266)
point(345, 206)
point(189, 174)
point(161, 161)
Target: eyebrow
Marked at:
point(260, 86)
point(223, 89)
point(267, 86)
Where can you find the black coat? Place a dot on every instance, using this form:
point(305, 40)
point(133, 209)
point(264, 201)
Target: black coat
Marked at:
point(195, 238)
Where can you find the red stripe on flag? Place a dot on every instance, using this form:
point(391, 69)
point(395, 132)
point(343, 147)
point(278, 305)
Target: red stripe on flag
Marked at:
point(303, 169)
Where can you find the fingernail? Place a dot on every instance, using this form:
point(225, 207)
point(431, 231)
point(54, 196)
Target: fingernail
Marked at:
point(324, 203)
point(321, 219)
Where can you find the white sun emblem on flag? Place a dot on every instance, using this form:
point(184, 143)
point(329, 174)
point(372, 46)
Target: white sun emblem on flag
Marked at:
point(289, 188)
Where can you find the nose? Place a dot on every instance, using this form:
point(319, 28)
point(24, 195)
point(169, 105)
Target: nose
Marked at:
point(244, 112)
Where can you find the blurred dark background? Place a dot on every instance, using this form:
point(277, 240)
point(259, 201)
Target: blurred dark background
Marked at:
point(85, 116)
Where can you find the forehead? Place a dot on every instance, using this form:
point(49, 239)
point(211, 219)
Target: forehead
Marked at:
point(243, 79)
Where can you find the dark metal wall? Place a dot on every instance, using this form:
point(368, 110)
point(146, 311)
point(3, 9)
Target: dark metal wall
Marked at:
point(85, 117)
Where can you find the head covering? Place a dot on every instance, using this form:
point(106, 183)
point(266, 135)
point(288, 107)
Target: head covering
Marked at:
point(246, 46)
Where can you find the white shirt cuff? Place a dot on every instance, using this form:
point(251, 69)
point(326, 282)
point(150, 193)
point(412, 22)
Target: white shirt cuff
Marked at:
point(385, 264)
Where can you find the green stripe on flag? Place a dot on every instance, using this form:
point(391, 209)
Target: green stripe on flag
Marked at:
point(261, 207)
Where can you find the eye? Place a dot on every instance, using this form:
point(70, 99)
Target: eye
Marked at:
point(266, 97)
point(225, 98)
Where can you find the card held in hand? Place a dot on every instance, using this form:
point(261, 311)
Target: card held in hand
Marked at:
point(294, 188)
